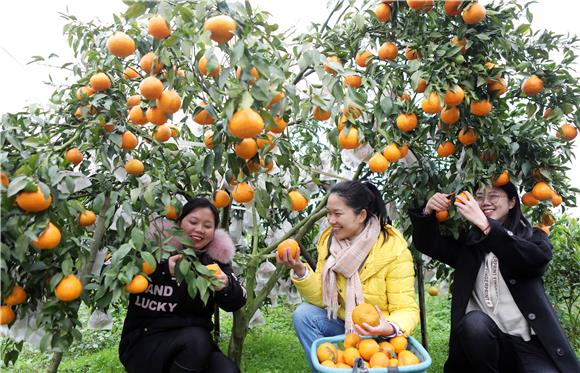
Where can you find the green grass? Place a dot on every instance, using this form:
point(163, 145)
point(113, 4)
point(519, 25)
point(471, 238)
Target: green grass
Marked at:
point(271, 348)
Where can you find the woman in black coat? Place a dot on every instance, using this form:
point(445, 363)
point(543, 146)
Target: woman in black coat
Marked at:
point(166, 330)
point(501, 318)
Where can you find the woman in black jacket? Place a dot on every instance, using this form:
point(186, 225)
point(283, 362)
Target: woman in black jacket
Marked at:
point(501, 318)
point(166, 330)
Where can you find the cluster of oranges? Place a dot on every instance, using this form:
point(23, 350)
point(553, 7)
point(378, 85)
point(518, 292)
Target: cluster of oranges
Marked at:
point(375, 354)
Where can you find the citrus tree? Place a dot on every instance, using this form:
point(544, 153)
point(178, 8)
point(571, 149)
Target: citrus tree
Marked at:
point(175, 100)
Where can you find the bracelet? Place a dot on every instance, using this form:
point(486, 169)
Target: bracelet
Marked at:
point(486, 229)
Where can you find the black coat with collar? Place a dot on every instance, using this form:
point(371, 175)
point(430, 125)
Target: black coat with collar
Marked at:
point(522, 263)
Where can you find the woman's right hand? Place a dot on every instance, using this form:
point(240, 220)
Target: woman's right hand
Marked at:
point(295, 263)
point(438, 202)
point(172, 261)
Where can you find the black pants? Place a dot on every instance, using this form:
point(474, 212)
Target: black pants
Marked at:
point(478, 345)
point(175, 351)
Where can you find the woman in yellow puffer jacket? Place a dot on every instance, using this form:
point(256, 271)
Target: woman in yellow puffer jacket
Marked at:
point(361, 259)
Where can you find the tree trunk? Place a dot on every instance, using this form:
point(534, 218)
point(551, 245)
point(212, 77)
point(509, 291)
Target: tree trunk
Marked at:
point(239, 332)
point(422, 308)
point(55, 362)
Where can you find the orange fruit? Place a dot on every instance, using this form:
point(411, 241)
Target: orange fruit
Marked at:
point(33, 201)
point(133, 100)
point(431, 104)
point(169, 102)
point(392, 153)
point(68, 288)
point(100, 82)
point(542, 191)
point(277, 98)
point(328, 364)
point(480, 108)
point(383, 12)
point(342, 365)
point(298, 201)
point(137, 115)
point(162, 133)
point(379, 360)
point(48, 239)
point(202, 66)
point(87, 218)
point(462, 195)
point(474, 14)
point(4, 179)
point(405, 97)
point(567, 132)
point(74, 156)
point(266, 142)
point(367, 348)
point(221, 28)
point(129, 140)
point(452, 7)
point(450, 115)
point(174, 131)
point(120, 45)
point(421, 5)
point(171, 212)
point(279, 125)
point(243, 193)
point(353, 81)
point(84, 92)
point(529, 200)
point(138, 284)
point(406, 357)
point(556, 200)
point(406, 122)
point(502, 179)
point(365, 313)
point(134, 167)
point(497, 86)
point(221, 199)
point(247, 148)
point(441, 216)
point(331, 59)
point(363, 59)
point(156, 116)
point(433, 291)
point(319, 114)
point(378, 163)
point(387, 348)
point(445, 149)
point(399, 343)
point(421, 86)
point(350, 354)
point(351, 340)
point(158, 27)
point(403, 149)
point(388, 51)
point(17, 296)
point(532, 86)
point(253, 73)
point(208, 139)
point(151, 88)
point(291, 245)
point(348, 139)
point(203, 117)
point(411, 54)
point(454, 96)
point(147, 269)
point(6, 315)
point(150, 63)
point(130, 73)
point(467, 137)
point(214, 268)
point(246, 123)
point(326, 351)
point(461, 43)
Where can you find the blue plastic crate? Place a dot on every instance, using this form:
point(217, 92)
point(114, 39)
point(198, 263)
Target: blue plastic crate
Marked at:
point(414, 346)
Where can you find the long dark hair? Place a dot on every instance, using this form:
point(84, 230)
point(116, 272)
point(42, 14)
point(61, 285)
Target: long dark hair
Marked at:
point(516, 222)
point(199, 203)
point(363, 196)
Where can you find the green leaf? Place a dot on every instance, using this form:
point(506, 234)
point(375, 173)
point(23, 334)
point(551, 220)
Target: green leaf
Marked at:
point(17, 185)
point(98, 203)
point(67, 266)
point(20, 248)
point(135, 10)
point(120, 253)
point(138, 238)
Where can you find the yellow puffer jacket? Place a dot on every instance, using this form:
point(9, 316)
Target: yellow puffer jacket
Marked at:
point(387, 278)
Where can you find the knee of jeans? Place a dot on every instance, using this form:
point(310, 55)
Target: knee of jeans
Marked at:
point(476, 325)
point(303, 314)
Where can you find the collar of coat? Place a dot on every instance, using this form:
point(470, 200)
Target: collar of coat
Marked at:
point(382, 253)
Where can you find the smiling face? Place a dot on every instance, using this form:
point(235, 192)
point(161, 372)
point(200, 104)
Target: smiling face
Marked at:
point(345, 223)
point(199, 225)
point(494, 203)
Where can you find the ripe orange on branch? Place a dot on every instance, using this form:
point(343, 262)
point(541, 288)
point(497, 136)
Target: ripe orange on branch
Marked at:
point(100, 82)
point(532, 86)
point(298, 201)
point(407, 122)
point(74, 156)
point(378, 163)
point(243, 193)
point(221, 199)
point(151, 88)
point(214, 268)
point(202, 66)
point(68, 288)
point(567, 132)
point(150, 63)
point(121, 45)
point(134, 167)
point(221, 28)
point(87, 218)
point(246, 123)
point(17, 296)
point(33, 201)
point(388, 51)
point(169, 102)
point(445, 149)
point(158, 27)
point(454, 96)
point(138, 284)
point(48, 239)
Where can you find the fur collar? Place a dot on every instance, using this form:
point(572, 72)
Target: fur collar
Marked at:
point(221, 248)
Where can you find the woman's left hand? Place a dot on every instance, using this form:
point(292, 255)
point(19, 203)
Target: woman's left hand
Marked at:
point(383, 329)
point(223, 280)
point(471, 211)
